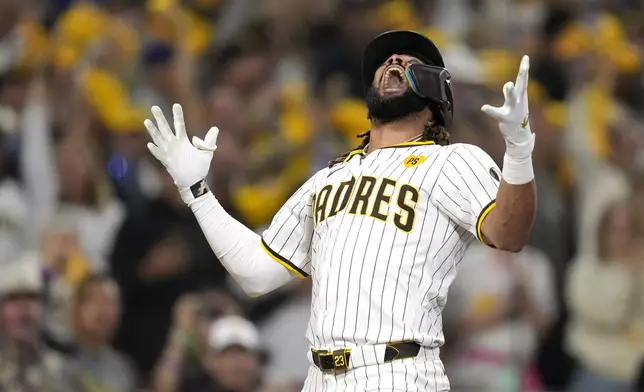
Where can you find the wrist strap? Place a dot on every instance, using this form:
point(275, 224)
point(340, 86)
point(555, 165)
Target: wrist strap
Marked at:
point(517, 162)
point(517, 171)
point(195, 191)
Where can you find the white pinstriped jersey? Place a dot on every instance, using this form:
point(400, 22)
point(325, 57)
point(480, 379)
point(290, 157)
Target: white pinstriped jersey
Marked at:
point(382, 235)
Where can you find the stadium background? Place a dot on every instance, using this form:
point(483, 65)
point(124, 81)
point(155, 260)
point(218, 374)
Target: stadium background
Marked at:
point(82, 205)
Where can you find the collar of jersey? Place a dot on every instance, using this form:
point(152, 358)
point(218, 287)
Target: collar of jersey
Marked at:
point(405, 144)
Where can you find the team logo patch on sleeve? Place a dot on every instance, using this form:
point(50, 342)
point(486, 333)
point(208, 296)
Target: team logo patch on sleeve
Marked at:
point(413, 160)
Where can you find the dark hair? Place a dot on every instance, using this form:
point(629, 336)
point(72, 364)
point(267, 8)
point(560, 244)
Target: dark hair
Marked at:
point(432, 132)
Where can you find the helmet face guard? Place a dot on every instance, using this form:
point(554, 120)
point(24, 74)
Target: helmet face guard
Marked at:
point(433, 83)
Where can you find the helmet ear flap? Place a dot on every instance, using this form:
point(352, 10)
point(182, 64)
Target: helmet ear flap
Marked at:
point(448, 111)
point(442, 116)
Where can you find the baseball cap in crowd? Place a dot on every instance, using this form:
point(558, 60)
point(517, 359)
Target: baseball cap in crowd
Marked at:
point(22, 276)
point(233, 331)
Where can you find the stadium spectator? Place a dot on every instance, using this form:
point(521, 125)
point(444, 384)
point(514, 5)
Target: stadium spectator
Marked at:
point(605, 297)
point(160, 254)
point(87, 201)
point(26, 363)
point(500, 307)
point(64, 268)
point(214, 303)
point(230, 360)
point(179, 359)
point(94, 365)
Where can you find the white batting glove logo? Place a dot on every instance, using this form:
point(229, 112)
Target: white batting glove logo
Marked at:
point(513, 116)
point(187, 163)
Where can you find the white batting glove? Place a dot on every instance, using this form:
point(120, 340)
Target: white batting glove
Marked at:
point(188, 163)
point(514, 125)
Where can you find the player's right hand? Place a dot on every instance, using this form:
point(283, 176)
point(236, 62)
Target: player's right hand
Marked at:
point(188, 163)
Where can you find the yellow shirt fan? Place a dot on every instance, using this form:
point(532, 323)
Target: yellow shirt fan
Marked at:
point(86, 24)
point(172, 23)
point(110, 99)
point(259, 201)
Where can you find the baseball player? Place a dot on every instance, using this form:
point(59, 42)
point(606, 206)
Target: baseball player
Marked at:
point(381, 231)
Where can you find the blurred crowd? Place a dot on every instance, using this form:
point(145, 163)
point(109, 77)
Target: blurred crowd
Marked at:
point(108, 285)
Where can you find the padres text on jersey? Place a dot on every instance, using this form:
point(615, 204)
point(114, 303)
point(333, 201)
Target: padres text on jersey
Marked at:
point(381, 236)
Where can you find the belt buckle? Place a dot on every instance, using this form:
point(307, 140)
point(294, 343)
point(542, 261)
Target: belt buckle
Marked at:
point(333, 361)
point(341, 360)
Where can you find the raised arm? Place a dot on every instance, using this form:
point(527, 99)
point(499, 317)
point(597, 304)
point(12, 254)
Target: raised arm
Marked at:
point(259, 265)
point(508, 222)
point(497, 207)
point(37, 161)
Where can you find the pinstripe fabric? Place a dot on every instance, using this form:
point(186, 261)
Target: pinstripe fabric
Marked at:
point(382, 236)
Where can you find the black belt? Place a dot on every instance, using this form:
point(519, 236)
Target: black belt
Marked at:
point(338, 360)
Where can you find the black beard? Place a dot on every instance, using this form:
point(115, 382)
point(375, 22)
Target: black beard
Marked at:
point(387, 110)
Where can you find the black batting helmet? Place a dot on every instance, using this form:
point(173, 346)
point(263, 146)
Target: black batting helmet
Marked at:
point(429, 80)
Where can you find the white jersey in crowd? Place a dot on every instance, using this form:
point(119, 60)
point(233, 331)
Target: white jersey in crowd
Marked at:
point(381, 235)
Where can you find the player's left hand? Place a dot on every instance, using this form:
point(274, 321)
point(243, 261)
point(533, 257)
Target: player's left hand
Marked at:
point(513, 115)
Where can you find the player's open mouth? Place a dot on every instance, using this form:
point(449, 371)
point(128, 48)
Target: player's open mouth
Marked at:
point(393, 80)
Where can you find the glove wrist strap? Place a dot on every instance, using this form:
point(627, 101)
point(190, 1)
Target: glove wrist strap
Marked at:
point(517, 162)
point(198, 189)
point(517, 171)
